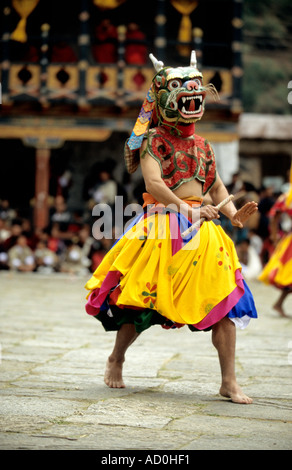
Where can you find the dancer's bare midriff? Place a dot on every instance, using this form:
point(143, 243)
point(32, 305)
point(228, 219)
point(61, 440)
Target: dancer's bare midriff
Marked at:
point(189, 189)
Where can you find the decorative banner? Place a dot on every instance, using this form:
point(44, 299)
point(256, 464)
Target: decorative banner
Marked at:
point(108, 4)
point(24, 8)
point(185, 7)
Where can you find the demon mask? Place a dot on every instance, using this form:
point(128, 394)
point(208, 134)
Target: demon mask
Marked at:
point(176, 96)
point(179, 91)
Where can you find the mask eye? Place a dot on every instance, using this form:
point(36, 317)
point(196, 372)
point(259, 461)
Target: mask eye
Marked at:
point(174, 84)
point(198, 81)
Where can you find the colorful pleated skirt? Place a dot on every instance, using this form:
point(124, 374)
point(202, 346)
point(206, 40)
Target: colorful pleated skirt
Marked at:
point(154, 275)
point(278, 270)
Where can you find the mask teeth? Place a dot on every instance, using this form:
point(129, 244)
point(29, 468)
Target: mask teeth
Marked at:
point(157, 64)
point(193, 62)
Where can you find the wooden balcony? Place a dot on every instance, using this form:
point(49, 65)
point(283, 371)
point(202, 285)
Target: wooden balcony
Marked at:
point(41, 85)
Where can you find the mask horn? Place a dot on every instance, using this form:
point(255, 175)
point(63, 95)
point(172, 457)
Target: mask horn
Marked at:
point(158, 65)
point(193, 62)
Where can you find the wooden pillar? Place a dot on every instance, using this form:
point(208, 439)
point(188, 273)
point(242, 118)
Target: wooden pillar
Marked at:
point(5, 59)
point(42, 178)
point(84, 53)
point(160, 20)
point(45, 28)
point(237, 70)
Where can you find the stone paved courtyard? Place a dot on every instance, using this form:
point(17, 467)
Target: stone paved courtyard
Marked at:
point(53, 395)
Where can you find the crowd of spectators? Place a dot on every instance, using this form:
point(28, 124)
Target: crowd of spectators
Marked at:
point(69, 244)
point(66, 245)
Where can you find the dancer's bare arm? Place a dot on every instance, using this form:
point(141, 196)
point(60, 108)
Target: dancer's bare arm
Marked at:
point(237, 217)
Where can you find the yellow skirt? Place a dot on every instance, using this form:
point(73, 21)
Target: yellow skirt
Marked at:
point(278, 270)
point(152, 275)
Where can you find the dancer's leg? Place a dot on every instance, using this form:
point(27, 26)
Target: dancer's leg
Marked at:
point(224, 340)
point(278, 306)
point(113, 373)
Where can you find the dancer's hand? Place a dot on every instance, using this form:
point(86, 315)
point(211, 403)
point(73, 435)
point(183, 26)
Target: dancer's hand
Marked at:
point(243, 214)
point(209, 212)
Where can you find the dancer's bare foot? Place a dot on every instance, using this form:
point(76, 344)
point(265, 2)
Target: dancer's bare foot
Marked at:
point(280, 310)
point(234, 392)
point(278, 305)
point(113, 374)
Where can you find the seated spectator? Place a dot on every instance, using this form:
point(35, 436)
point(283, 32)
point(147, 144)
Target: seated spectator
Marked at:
point(63, 52)
point(15, 232)
point(4, 264)
point(86, 243)
point(105, 189)
point(4, 235)
point(23, 52)
point(102, 246)
point(56, 240)
point(64, 182)
point(4, 231)
point(249, 259)
point(105, 50)
point(46, 260)
point(6, 211)
point(76, 222)
point(20, 256)
point(73, 261)
point(30, 233)
point(136, 50)
point(60, 211)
